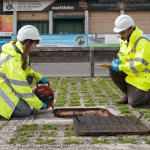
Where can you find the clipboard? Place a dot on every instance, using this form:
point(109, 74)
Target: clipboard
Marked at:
point(104, 65)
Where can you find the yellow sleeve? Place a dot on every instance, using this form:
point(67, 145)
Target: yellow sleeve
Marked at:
point(36, 75)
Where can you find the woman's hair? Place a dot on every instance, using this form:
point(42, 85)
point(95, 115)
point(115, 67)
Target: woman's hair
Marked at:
point(26, 49)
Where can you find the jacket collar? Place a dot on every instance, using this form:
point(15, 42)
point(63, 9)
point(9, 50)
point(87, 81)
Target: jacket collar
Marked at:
point(20, 46)
point(134, 36)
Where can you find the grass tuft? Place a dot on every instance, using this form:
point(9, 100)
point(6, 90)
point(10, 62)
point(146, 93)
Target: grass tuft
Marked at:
point(46, 134)
point(24, 133)
point(96, 141)
point(48, 142)
point(68, 134)
point(19, 141)
point(72, 141)
point(52, 127)
point(69, 127)
point(32, 127)
point(127, 140)
point(147, 140)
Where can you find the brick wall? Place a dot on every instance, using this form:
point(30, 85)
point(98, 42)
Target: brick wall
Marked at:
point(102, 21)
point(40, 15)
point(99, 21)
point(142, 19)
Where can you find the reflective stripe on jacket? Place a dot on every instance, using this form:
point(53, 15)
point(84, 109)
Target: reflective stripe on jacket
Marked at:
point(13, 83)
point(135, 60)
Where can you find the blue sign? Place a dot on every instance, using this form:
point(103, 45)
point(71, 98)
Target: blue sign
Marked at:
point(71, 40)
point(2, 42)
point(148, 36)
point(13, 37)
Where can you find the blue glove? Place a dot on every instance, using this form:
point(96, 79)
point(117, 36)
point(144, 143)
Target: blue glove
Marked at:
point(115, 67)
point(44, 106)
point(116, 62)
point(43, 80)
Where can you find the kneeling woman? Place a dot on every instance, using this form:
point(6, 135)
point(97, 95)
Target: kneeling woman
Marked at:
point(15, 91)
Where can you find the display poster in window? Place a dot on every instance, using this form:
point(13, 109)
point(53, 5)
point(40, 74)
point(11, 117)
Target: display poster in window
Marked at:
point(6, 25)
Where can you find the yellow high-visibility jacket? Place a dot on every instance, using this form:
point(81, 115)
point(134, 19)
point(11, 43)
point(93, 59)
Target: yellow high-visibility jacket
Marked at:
point(13, 83)
point(135, 57)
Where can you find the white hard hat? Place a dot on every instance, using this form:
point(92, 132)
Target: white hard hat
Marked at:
point(123, 22)
point(28, 32)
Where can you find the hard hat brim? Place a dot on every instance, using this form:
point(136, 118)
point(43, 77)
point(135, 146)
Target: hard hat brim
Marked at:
point(22, 38)
point(117, 30)
point(39, 38)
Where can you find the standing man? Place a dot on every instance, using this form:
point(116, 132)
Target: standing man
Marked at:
point(131, 72)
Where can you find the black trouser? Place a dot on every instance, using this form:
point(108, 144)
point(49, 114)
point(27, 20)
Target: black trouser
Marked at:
point(23, 109)
point(136, 97)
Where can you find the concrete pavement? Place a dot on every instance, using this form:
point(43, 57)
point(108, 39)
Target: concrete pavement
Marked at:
point(9, 129)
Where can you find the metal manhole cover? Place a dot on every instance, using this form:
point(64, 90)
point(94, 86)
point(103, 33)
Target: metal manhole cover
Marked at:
point(110, 125)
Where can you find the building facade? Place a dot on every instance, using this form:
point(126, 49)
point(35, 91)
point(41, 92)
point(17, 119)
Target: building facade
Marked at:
point(76, 16)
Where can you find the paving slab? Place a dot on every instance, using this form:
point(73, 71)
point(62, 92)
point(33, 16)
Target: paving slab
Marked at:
point(9, 129)
point(47, 118)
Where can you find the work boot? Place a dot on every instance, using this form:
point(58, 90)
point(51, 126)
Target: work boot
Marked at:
point(123, 100)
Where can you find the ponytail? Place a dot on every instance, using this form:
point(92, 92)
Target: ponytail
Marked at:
point(26, 49)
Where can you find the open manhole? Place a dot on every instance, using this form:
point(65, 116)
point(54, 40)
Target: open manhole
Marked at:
point(69, 112)
point(110, 125)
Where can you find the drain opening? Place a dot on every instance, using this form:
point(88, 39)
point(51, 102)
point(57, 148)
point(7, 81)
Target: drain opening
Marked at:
point(69, 112)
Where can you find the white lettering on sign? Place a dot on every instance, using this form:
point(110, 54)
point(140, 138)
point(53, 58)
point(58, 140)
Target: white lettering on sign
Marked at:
point(63, 7)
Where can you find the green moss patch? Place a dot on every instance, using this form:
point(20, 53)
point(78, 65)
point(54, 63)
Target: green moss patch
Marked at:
point(127, 140)
point(48, 142)
point(74, 103)
point(55, 80)
point(52, 127)
point(67, 134)
point(19, 141)
point(46, 134)
point(88, 103)
point(24, 133)
point(62, 93)
point(69, 127)
point(32, 127)
point(96, 141)
point(147, 140)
